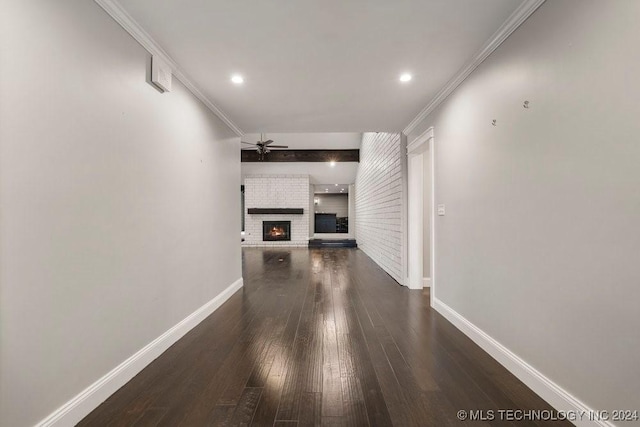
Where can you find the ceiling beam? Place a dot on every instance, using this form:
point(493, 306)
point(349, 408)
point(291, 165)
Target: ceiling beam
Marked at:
point(303, 156)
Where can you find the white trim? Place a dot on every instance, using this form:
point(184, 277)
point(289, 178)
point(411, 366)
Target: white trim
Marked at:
point(426, 137)
point(509, 26)
point(415, 219)
point(122, 17)
point(548, 390)
point(432, 213)
point(404, 213)
point(420, 141)
point(90, 398)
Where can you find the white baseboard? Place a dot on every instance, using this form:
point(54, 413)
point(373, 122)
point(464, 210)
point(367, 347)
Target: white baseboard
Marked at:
point(425, 283)
point(90, 398)
point(551, 392)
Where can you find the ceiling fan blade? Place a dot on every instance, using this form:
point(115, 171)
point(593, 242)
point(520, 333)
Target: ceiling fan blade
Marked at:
point(278, 146)
point(248, 143)
point(270, 141)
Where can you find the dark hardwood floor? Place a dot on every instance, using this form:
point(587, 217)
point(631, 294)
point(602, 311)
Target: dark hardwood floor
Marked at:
point(319, 337)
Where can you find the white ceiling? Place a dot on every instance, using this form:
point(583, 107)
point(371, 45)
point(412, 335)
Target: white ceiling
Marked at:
point(321, 66)
point(331, 189)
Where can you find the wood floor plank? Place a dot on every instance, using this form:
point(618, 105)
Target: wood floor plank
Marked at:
point(269, 402)
point(246, 406)
point(150, 417)
point(390, 390)
point(244, 366)
point(311, 410)
point(318, 337)
point(222, 415)
point(331, 383)
point(297, 366)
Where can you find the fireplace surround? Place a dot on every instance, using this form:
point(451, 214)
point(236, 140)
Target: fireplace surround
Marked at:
point(276, 231)
point(277, 198)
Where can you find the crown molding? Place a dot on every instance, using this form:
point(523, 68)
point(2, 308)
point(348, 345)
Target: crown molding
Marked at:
point(420, 140)
point(126, 21)
point(509, 26)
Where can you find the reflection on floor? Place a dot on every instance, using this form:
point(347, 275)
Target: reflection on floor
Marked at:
point(318, 337)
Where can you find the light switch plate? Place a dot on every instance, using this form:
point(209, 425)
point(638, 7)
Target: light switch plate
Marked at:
point(440, 210)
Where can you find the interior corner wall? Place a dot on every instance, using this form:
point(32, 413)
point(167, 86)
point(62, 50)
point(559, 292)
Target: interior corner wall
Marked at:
point(112, 198)
point(379, 200)
point(540, 242)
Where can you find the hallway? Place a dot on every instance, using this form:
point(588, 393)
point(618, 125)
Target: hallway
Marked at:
point(321, 336)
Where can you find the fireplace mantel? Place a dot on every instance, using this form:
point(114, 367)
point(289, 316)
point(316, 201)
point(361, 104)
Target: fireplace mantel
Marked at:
point(282, 211)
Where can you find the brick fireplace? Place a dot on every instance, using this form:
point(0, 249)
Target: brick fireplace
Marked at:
point(280, 201)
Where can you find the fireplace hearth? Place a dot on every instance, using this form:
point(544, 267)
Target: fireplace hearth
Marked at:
point(276, 231)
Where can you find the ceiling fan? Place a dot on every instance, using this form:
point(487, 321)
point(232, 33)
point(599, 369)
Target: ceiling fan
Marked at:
point(262, 146)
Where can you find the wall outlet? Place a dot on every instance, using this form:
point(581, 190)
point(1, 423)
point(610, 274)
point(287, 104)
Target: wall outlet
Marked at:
point(441, 210)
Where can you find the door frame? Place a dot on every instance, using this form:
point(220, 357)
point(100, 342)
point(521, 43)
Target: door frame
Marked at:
point(415, 215)
point(416, 148)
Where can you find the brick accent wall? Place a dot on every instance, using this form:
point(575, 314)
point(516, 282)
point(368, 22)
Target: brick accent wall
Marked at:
point(276, 191)
point(379, 199)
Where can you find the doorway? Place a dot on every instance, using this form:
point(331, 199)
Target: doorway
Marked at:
point(420, 211)
point(333, 211)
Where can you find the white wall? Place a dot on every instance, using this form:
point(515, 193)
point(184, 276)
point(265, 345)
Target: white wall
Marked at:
point(110, 203)
point(277, 191)
point(540, 244)
point(379, 201)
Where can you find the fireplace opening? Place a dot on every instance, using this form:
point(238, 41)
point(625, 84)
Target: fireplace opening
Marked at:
point(276, 230)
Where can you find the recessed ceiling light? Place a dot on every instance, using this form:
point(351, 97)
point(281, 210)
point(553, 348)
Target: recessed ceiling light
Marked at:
point(335, 185)
point(237, 79)
point(332, 163)
point(405, 77)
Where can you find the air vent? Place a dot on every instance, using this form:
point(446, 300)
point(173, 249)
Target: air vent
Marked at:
point(161, 74)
